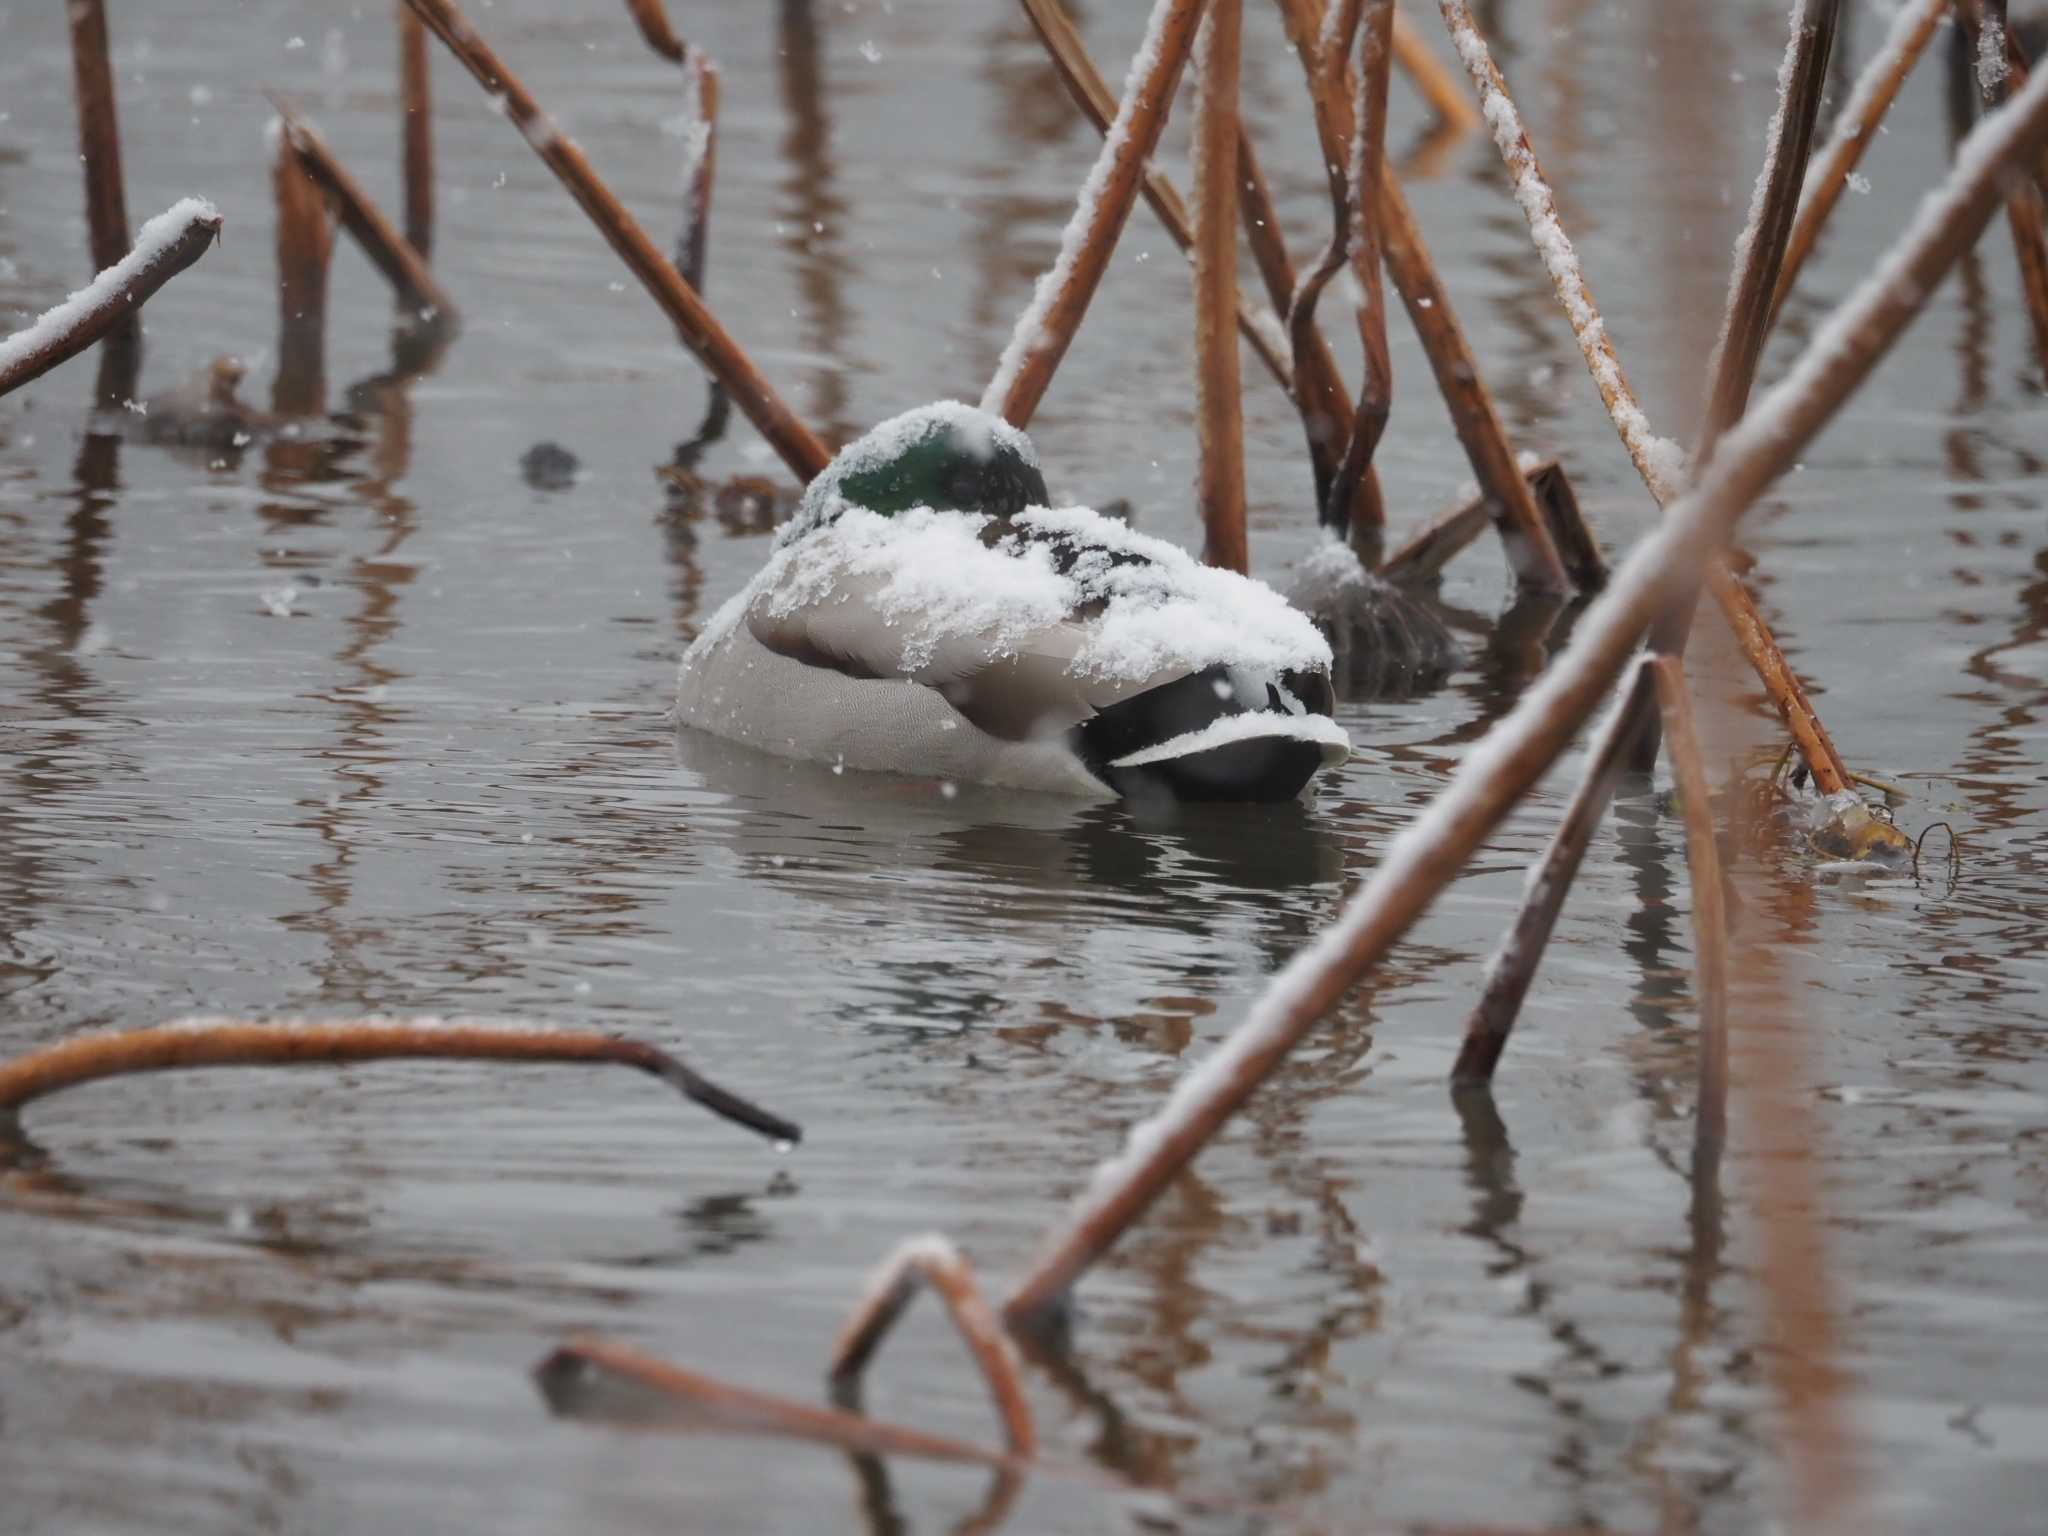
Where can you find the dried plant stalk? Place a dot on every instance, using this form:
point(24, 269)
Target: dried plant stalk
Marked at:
point(798, 447)
point(1531, 554)
point(1368, 162)
point(1658, 460)
point(1430, 78)
point(305, 243)
point(934, 1262)
point(2001, 66)
point(228, 1042)
point(1513, 966)
point(694, 241)
point(1091, 93)
point(389, 251)
point(1423, 555)
point(169, 243)
point(652, 20)
point(1492, 777)
point(1219, 401)
point(1875, 91)
point(704, 1402)
point(99, 134)
point(1709, 908)
point(1060, 300)
point(417, 127)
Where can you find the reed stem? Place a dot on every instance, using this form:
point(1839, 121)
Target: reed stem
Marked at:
point(2001, 68)
point(1435, 83)
point(1219, 402)
point(305, 244)
point(417, 125)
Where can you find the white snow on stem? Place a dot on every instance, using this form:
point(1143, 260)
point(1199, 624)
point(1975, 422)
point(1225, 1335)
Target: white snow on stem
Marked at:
point(151, 241)
point(1030, 333)
point(1858, 120)
point(1763, 439)
point(1991, 61)
point(1661, 461)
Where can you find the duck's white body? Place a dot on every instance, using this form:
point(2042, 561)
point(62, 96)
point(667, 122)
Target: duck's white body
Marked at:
point(1049, 649)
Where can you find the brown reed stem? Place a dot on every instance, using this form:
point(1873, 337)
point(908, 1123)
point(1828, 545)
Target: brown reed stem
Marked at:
point(1060, 300)
point(99, 134)
point(1875, 91)
point(305, 244)
point(933, 1262)
point(227, 1042)
point(1709, 907)
point(1430, 78)
point(417, 127)
point(1423, 555)
point(713, 347)
point(389, 251)
point(112, 298)
point(1219, 398)
point(565, 1380)
point(693, 243)
point(2025, 209)
point(1530, 553)
point(1368, 162)
point(1091, 93)
point(1494, 776)
point(652, 19)
point(1513, 967)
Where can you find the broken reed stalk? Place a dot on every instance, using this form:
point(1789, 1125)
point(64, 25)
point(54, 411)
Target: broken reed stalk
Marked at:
point(1091, 93)
point(1999, 66)
point(699, 329)
point(416, 126)
point(305, 244)
point(1367, 165)
point(389, 251)
point(574, 1379)
point(1219, 398)
point(166, 246)
point(1709, 906)
point(1060, 298)
point(1423, 555)
point(652, 19)
point(933, 1262)
point(1875, 91)
point(1531, 554)
point(1513, 967)
point(99, 134)
point(1430, 78)
point(1494, 775)
point(208, 1041)
point(692, 244)
point(1658, 460)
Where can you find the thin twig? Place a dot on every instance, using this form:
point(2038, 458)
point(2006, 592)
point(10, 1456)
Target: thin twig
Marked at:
point(1060, 300)
point(934, 1262)
point(1531, 554)
point(227, 1042)
point(99, 134)
point(1219, 399)
point(1492, 778)
point(1709, 907)
point(2001, 69)
point(798, 447)
point(1876, 89)
point(389, 251)
point(305, 246)
point(167, 245)
point(1513, 966)
point(417, 128)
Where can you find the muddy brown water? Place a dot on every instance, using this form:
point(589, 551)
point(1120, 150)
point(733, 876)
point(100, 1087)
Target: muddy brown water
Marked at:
point(380, 726)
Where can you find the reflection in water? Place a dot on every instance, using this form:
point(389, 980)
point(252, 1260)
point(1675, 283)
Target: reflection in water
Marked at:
point(812, 222)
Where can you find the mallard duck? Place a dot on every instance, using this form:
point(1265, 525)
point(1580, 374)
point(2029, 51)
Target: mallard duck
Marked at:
point(927, 612)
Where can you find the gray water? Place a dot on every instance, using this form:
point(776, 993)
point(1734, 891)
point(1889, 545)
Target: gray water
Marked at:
point(379, 726)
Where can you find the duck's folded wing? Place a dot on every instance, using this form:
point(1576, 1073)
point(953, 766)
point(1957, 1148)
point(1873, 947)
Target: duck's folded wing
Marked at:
point(1010, 670)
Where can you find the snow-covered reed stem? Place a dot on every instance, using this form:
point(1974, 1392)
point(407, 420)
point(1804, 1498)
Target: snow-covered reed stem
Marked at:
point(1513, 967)
point(167, 245)
point(1091, 93)
point(1219, 400)
point(932, 1262)
point(1061, 297)
point(1875, 91)
point(1516, 752)
point(228, 1042)
point(1709, 907)
point(389, 251)
point(699, 329)
point(416, 127)
point(2001, 70)
point(1531, 554)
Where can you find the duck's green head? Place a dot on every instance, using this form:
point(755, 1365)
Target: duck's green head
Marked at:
point(949, 457)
